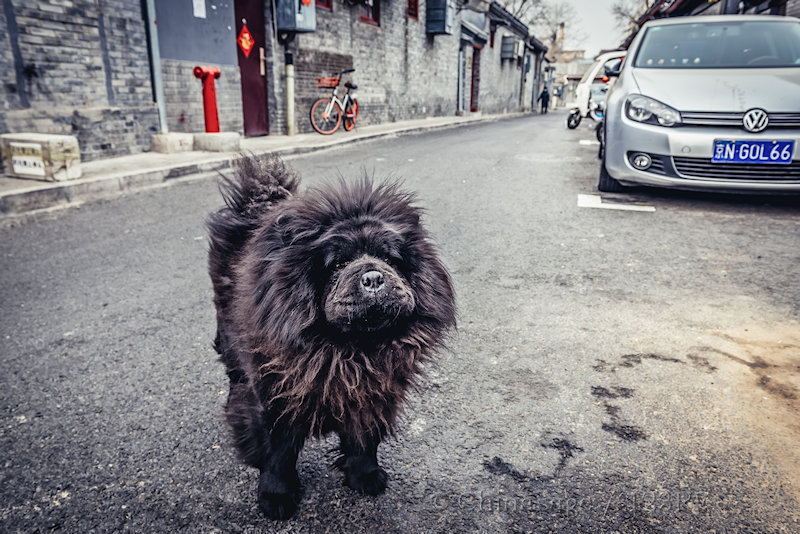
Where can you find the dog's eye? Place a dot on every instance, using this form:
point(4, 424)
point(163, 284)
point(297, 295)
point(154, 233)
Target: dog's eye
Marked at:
point(338, 266)
point(393, 261)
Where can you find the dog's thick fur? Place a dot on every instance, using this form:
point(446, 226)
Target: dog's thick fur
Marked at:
point(328, 302)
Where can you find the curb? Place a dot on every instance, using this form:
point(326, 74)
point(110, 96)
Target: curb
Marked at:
point(37, 202)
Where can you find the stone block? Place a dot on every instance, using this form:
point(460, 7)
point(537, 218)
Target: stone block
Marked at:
point(47, 157)
point(217, 142)
point(172, 142)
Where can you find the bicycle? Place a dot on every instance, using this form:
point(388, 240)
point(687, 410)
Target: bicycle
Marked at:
point(326, 113)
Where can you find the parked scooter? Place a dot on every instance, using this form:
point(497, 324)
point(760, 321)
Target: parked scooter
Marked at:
point(586, 91)
point(595, 109)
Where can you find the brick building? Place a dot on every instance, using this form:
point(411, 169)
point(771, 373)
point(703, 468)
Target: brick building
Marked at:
point(107, 70)
point(78, 68)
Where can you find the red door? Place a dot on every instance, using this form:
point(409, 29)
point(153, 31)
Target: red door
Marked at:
point(476, 77)
point(251, 46)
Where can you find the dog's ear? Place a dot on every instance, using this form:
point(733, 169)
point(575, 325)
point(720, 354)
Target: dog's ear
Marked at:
point(434, 290)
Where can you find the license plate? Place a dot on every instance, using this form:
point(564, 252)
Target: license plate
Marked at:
point(762, 151)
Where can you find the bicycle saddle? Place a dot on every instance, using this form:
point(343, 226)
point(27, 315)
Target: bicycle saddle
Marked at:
point(350, 85)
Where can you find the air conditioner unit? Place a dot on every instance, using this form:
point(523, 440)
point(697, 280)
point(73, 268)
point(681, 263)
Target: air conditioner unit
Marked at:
point(440, 16)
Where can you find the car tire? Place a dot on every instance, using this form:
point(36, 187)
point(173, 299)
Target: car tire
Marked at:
point(600, 132)
point(606, 183)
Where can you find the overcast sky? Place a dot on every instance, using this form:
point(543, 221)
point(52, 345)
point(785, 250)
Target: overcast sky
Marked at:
point(596, 24)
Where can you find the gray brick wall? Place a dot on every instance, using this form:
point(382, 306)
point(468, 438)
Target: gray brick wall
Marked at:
point(78, 79)
point(127, 51)
point(402, 72)
point(501, 79)
point(9, 96)
point(60, 46)
point(184, 97)
point(276, 107)
point(86, 72)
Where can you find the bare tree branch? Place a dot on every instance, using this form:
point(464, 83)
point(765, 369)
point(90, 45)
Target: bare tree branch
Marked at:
point(544, 17)
point(627, 12)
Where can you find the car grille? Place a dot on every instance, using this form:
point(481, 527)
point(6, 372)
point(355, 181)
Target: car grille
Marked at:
point(776, 120)
point(658, 166)
point(705, 168)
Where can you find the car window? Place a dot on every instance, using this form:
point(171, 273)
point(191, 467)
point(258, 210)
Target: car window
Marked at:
point(737, 44)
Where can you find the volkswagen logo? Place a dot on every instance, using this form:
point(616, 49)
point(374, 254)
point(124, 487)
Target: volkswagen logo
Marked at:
point(755, 120)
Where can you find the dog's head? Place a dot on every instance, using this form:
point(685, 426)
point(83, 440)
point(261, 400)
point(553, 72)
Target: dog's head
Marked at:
point(352, 261)
point(365, 271)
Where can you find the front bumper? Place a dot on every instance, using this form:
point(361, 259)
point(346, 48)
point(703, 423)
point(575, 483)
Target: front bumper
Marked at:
point(683, 158)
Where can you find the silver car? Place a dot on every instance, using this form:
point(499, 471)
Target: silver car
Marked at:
point(707, 103)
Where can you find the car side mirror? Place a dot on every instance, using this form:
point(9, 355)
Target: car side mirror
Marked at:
point(612, 70)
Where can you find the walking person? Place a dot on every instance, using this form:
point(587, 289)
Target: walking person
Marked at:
point(544, 98)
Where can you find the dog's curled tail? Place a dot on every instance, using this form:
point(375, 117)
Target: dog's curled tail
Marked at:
point(259, 183)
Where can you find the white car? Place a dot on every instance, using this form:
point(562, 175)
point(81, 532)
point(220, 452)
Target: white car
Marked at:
point(707, 103)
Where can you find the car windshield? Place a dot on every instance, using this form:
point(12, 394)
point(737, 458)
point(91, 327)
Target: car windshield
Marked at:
point(735, 44)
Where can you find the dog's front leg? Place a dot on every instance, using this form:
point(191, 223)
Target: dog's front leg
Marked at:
point(279, 484)
point(359, 461)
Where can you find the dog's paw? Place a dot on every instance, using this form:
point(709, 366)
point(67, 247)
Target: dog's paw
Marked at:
point(278, 497)
point(372, 482)
point(278, 505)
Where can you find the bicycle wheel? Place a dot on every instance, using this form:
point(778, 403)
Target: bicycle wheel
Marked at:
point(325, 123)
point(350, 115)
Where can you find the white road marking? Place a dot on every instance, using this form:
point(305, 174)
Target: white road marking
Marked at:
point(589, 142)
point(594, 201)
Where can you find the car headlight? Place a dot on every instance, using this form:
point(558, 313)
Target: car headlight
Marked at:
point(644, 109)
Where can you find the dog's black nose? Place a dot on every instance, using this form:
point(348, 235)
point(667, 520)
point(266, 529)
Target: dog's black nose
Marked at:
point(372, 281)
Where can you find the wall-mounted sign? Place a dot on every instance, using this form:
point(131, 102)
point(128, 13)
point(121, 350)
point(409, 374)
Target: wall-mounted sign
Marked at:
point(246, 41)
point(199, 8)
point(26, 159)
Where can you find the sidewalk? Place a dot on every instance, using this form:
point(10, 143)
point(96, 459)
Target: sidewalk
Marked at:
point(22, 199)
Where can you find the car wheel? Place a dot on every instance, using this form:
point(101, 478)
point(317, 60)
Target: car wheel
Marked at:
point(606, 183)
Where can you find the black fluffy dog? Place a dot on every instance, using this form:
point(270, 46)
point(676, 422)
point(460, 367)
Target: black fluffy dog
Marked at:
point(328, 302)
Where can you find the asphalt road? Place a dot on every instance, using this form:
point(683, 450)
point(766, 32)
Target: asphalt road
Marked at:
point(613, 370)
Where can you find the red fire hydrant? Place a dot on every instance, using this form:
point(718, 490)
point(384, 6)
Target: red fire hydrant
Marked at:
point(208, 75)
